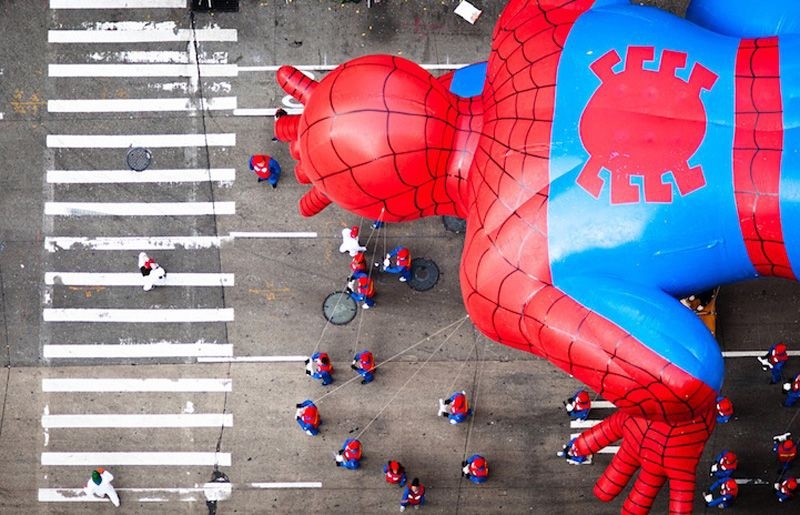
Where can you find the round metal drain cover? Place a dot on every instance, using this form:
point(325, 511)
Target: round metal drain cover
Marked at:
point(138, 158)
point(339, 308)
point(424, 274)
point(454, 224)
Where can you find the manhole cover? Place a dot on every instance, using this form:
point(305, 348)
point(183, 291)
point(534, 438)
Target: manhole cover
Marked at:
point(138, 158)
point(454, 224)
point(424, 274)
point(339, 308)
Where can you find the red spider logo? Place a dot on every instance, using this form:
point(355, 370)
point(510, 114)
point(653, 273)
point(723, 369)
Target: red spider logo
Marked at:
point(644, 123)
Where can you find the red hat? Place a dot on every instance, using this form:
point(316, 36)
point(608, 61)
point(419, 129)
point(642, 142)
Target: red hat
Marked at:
point(363, 281)
point(354, 231)
point(259, 160)
point(730, 487)
point(403, 253)
point(780, 348)
point(730, 459)
point(583, 396)
point(479, 462)
point(790, 483)
point(724, 406)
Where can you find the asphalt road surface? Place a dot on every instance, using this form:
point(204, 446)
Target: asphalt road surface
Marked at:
point(161, 386)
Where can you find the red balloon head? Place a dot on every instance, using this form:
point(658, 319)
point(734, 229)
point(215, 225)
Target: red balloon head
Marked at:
point(382, 138)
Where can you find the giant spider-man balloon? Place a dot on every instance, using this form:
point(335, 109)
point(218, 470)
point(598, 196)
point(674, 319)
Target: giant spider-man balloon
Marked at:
point(609, 159)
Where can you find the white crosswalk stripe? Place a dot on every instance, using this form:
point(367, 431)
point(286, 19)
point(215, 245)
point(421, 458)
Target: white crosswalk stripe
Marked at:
point(123, 82)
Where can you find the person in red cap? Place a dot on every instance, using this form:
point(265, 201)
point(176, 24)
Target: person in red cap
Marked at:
point(364, 365)
point(456, 408)
point(99, 485)
point(475, 468)
point(724, 465)
point(579, 405)
point(358, 264)
point(349, 456)
point(402, 266)
point(307, 416)
point(266, 168)
point(350, 242)
point(728, 490)
point(394, 473)
point(319, 366)
point(362, 289)
point(413, 495)
point(786, 489)
point(792, 391)
point(786, 451)
point(724, 409)
point(774, 360)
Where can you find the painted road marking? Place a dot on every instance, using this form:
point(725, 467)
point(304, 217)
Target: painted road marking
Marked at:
point(139, 208)
point(583, 424)
point(161, 494)
point(137, 105)
point(55, 243)
point(611, 449)
point(152, 316)
point(132, 384)
point(149, 175)
point(136, 350)
point(140, 140)
point(143, 70)
point(85, 459)
point(135, 279)
point(250, 359)
point(602, 404)
point(140, 35)
point(329, 67)
point(116, 4)
point(138, 420)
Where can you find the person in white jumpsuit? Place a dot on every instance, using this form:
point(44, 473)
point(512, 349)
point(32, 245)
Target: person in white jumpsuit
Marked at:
point(100, 485)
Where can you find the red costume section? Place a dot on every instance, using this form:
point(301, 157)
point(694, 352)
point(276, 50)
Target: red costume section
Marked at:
point(758, 146)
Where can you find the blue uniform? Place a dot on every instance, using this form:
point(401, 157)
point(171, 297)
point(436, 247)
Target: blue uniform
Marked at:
point(308, 417)
point(364, 365)
point(459, 408)
point(321, 368)
point(349, 455)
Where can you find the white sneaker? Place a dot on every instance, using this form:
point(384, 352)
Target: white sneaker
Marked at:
point(147, 287)
point(402, 279)
point(442, 408)
point(365, 306)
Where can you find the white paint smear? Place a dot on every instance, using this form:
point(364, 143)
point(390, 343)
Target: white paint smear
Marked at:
point(138, 420)
point(135, 279)
point(175, 459)
point(137, 105)
point(140, 140)
point(117, 4)
point(149, 175)
point(152, 316)
point(142, 70)
point(135, 384)
point(136, 350)
point(140, 35)
point(139, 208)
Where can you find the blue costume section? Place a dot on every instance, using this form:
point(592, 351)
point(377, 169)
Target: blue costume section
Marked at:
point(595, 237)
point(775, 17)
point(469, 80)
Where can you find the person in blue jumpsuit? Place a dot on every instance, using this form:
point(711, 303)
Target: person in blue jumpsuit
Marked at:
point(456, 408)
point(724, 465)
point(362, 289)
point(364, 365)
point(307, 416)
point(319, 366)
point(475, 468)
point(266, 168)
point(413, 495)
point(402, 266)
point(728, 490)
point(774, 361)
point(349, 456)
point(792, 391)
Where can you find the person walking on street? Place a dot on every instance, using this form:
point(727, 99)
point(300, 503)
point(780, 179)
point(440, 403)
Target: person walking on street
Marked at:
point(151, 271)
point(266, 168)
point(99, 485)
point(413, 495)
